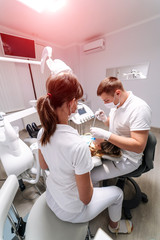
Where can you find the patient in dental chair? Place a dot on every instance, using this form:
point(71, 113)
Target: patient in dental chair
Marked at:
point(101, 147)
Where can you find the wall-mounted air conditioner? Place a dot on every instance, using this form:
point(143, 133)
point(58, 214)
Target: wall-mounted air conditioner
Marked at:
point(93, 46)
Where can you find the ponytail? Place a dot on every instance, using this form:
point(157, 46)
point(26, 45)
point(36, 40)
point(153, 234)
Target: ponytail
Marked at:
point(48, 118)
point(61, 88)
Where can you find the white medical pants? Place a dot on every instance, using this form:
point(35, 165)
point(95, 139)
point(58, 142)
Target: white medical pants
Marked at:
point(111, 169)
point(104, 197)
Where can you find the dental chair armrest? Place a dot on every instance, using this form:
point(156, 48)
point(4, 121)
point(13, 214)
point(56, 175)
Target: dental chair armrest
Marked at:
point(36, 168)
point(7, 194)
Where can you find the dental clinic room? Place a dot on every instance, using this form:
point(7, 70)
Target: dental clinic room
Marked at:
point(79, 120)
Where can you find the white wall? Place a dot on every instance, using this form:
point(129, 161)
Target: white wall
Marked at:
point(128, 47)
point(72, 58)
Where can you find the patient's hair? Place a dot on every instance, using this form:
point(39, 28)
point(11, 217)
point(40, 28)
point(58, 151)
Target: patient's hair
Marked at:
point(61, 88)
point(109, 85)
point(105, 148)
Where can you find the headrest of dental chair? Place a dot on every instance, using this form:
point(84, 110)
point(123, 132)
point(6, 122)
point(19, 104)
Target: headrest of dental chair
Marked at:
point(17, 164)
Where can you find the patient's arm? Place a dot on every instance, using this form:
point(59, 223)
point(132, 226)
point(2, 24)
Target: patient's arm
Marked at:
point(42, 162)
point(85, 187)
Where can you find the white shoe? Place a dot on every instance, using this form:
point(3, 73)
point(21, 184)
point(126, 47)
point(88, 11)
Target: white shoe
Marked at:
point(124, 226)
point(96, 161)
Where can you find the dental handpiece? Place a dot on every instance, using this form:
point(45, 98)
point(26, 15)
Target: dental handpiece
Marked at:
point(94, 120)
point(100, 112)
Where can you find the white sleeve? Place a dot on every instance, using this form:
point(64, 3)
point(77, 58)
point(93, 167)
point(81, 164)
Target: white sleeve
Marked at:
point(140, 118)
point(82, 160)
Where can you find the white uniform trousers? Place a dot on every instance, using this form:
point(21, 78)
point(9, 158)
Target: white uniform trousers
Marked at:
point(111, 169)
point(103, 198)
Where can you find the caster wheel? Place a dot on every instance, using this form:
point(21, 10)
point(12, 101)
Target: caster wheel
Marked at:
point(144, 198)
point(21, 185)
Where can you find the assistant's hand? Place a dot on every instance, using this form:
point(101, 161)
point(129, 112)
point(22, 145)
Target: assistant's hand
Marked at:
point(100, 115)
point(100, 133)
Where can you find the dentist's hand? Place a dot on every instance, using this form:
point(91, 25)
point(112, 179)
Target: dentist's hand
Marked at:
point(100, 133)
point(100, 115)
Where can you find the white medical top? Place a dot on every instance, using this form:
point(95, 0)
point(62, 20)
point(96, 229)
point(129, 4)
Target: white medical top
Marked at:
point(133, 115)
point(66, 155)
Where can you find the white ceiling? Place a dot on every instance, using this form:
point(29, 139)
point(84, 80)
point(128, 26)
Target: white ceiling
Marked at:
point(78, 21)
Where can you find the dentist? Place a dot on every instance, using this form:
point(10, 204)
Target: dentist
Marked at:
point(129, 122)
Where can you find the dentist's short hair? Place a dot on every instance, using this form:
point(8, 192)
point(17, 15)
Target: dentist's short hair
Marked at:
point(109, 86)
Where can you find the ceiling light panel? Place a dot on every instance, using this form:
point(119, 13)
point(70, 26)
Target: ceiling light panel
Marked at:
point(41, 5)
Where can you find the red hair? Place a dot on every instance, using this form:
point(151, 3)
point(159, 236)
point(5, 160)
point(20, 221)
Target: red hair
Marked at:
point(62, 88)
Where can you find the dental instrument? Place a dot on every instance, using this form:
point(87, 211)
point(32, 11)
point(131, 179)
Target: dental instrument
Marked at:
point(94, 120)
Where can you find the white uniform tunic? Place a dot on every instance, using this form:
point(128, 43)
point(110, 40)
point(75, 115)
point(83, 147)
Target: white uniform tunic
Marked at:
point(133, 115)
point(66, 155)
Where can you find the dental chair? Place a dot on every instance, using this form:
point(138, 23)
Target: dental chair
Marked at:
point(42, 222)
point(147, 165)
point(17, 158)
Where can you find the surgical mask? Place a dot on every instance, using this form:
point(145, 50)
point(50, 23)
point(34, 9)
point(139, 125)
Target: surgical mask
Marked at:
point(73, 114)
point(111, 104)
point(116, 105)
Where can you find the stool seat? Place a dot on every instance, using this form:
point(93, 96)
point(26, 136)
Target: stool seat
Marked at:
point(43, 224)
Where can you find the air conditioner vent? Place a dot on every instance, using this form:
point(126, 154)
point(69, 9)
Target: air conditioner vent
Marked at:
point(93, 46)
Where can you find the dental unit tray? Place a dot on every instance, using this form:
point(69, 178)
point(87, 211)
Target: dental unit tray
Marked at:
point(83, 115)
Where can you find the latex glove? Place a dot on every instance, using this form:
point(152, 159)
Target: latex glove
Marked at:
point(100, 133)
point(100, 115)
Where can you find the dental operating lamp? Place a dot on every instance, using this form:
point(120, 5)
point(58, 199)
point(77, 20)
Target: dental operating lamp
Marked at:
point(55, 66)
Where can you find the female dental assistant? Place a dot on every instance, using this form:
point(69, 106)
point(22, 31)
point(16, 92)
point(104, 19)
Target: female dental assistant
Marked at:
point(70, 193)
